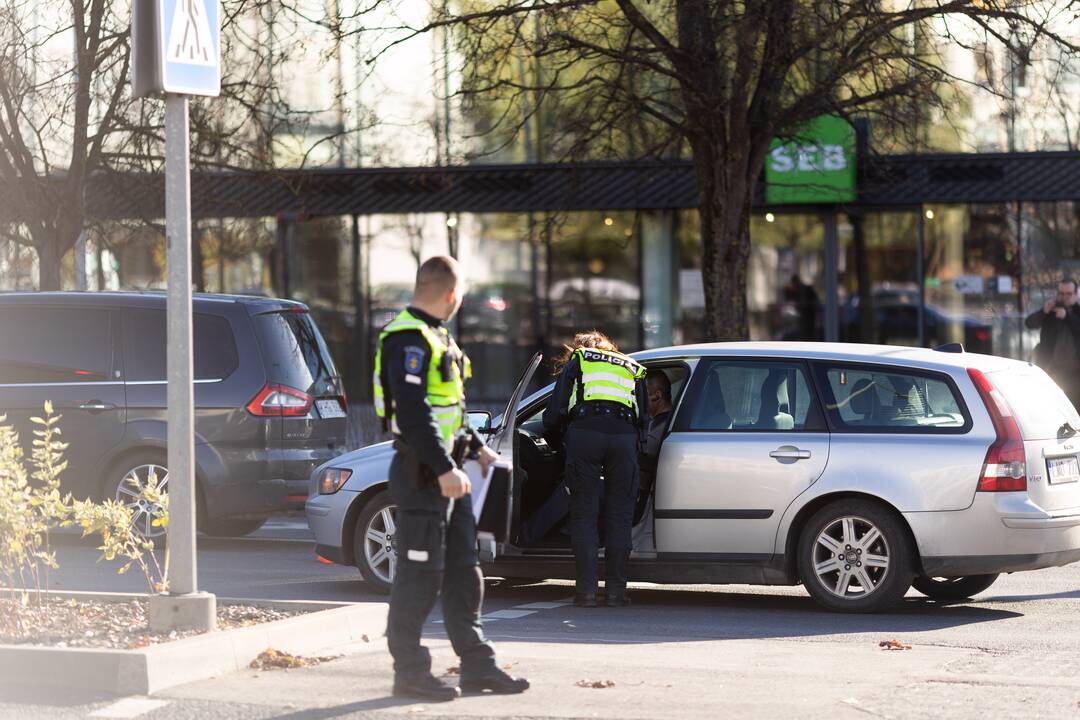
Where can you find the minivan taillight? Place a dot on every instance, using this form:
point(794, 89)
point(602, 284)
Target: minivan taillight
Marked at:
point(1005, 467)
point(280, 401)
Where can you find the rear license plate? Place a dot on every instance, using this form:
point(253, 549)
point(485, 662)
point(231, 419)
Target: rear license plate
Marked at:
point(1063, 470)
point(332, 409)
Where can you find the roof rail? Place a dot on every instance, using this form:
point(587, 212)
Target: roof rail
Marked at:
point(953, 347)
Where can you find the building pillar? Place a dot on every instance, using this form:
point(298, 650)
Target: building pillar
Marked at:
point(832, 277)
point(658, 278)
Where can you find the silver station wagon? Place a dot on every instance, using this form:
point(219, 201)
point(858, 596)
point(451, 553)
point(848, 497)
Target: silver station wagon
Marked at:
point(855, 470)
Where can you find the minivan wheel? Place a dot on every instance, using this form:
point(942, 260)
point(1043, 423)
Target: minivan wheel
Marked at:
point(954, 588)
point(125, 482)
point(373, 542)
point(854, 556)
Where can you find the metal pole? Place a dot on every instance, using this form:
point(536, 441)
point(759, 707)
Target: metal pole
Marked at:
point(181, 397)
point(920, 272)
point(832, 278)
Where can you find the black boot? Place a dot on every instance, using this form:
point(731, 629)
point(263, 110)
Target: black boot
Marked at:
point(586, 600)
point(425, 687)
point(616, 598)
point(493, 680)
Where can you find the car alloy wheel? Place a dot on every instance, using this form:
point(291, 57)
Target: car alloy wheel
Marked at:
point(851, 557)
point(129, 491)
point(379, 553)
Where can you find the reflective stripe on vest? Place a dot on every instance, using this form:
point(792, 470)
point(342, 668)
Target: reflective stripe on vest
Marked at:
point(607, 376)
point(446, 396)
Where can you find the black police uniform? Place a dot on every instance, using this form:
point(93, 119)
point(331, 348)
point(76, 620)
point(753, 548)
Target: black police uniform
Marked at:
point(435, 554)
point(602, 440)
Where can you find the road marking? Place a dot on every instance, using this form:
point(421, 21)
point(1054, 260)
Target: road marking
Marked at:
point(544, 605)
point(129, 707)
point(507, 614)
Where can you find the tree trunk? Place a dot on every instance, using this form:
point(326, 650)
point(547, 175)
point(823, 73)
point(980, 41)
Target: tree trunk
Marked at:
point(724, 195)
point(49, 257)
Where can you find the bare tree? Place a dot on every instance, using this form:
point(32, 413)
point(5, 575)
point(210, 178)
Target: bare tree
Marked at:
point(67, 116)
point(717, 80)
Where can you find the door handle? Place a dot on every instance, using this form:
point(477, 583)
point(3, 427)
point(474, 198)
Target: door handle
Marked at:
point(96, 406)
point(790, 452)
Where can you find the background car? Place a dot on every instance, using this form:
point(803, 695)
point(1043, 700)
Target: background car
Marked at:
point(856, 470)
point(269, 404)
point(896, 319)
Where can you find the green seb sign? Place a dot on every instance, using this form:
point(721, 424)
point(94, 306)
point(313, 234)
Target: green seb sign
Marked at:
point(815, 165)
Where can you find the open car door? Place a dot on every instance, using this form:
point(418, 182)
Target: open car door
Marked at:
point(494, 526)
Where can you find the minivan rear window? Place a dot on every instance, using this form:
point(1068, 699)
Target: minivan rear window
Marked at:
point(1040, 407)
point(215, 354)
point(54, 344)
point(296, 354)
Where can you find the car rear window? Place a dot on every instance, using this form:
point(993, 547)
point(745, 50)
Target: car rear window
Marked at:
point(863, 398)
point(215, 354)
point(54, 344)
point(1038, 404)
point(296, 354)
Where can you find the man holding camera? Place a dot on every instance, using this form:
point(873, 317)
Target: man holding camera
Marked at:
point(1058, 352)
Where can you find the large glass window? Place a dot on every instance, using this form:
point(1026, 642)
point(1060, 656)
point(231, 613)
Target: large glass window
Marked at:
point(751, 396)
point(53, 344)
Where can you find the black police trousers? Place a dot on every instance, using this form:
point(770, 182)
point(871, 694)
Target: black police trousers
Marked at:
point(434, 556)
point(591, 454)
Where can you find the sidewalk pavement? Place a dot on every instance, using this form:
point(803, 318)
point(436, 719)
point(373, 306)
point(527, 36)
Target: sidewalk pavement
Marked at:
point(733, 678)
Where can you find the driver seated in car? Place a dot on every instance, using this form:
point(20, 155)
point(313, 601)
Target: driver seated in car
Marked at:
point(658, 386)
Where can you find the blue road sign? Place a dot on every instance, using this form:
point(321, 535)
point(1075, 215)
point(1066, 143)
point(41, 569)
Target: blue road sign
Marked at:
point(190, 46)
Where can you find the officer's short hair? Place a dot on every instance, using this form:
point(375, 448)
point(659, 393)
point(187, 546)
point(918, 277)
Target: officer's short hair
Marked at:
point(1069, 281)
point(658, 380)
point(437, 276)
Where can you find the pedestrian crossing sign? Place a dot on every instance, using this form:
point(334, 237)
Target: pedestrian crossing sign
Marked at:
point(189, 34)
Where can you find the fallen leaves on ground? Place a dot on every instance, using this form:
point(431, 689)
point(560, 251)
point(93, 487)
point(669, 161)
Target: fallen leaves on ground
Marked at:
point(893, 645)
point(596, 684)
point(270, 659)
point(365, 638)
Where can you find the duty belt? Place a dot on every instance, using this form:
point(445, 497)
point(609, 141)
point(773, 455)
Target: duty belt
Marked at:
point(600, 408)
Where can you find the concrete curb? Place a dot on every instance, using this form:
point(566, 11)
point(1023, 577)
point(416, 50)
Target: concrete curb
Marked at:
point(154, 668)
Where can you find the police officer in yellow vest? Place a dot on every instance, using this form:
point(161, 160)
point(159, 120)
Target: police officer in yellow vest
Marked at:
point(600, 402)
point(420, 394)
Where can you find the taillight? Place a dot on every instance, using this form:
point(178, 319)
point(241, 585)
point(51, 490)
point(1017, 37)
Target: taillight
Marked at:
point(1005, 467)
point(280, 401)
point(332, 479)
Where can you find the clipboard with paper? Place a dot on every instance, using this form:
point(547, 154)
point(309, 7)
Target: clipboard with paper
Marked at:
point(490, 497)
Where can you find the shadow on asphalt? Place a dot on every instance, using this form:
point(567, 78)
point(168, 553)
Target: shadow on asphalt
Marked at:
point(682, 615)
point(1063, 595)
point(383, 703)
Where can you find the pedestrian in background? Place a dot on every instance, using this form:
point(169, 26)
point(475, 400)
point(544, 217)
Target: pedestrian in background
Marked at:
point(1058, 351)
point(600, 406)
point(420, 378)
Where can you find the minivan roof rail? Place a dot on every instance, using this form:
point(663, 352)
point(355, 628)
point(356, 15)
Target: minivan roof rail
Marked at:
point(953, 347)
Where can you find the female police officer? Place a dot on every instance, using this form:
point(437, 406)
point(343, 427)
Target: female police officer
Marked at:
point(600, 404)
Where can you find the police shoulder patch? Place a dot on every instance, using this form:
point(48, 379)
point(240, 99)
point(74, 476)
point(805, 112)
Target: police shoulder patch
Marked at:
point(414, 359)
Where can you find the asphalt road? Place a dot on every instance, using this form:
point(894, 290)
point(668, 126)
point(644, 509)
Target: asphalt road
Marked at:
point(685, 651)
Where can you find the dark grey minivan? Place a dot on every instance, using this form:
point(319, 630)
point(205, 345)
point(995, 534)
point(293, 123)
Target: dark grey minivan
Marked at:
point(270, 405)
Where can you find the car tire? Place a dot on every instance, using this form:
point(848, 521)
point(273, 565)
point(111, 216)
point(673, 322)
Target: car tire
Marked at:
point(232, 527)
point(956, 588)
point(123, 481)
point(858, 529)
point(373, 550)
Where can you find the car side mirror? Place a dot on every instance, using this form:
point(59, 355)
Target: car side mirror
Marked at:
point(480, 422)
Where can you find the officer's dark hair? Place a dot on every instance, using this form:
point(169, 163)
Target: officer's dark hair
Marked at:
point(1068, 280)
point(592, 339)
point(658, 380)
point(436, 277)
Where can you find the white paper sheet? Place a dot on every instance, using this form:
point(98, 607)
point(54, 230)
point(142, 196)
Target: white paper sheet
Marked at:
point(480, 484)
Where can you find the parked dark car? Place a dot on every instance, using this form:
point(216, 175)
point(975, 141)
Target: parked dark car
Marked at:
point(269, 404)
point(896, 317)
